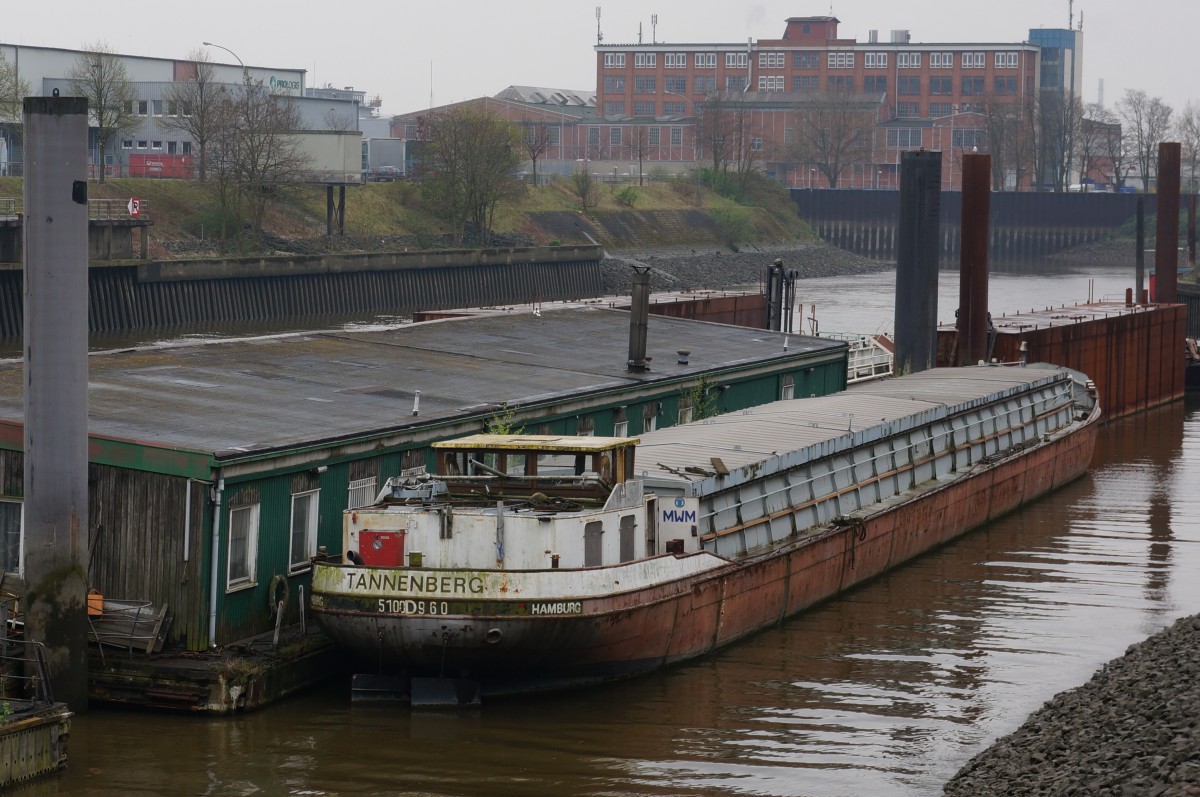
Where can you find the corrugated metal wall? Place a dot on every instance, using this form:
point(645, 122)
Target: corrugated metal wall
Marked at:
point(118, 301)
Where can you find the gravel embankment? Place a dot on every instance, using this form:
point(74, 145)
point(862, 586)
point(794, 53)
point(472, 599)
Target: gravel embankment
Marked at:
point(1132, 731)
point(712, 269)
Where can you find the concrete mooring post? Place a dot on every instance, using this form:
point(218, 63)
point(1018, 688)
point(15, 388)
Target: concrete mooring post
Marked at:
point(1166, 231)
point(56, 374)
point(973, 260)
point(918, 234)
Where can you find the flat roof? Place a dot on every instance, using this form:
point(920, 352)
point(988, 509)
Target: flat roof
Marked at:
point(1062, 316)
point(762, 437)
point(238, 397)
point(540, 442)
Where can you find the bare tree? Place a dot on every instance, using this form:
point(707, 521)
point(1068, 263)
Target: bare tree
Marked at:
point(99, 75)
point(194, 105)
point(536, 141)
point(1146, 121)
point(833, 131)
point(1113, 145)
point(1187, 127)
point(637, 139)
point(716, 122)
point(1058, 116)
point(13, 90)
point(255, 154)
point(472, 156)
point(341, 122)
point(1093, 132)
point(1010, 129)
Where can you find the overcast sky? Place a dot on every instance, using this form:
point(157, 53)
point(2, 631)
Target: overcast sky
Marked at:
point(459, 49)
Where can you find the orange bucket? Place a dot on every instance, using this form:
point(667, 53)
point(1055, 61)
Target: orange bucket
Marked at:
point(95, 603)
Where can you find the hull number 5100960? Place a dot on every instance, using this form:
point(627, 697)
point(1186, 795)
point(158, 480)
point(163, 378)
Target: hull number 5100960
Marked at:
point(395, 606)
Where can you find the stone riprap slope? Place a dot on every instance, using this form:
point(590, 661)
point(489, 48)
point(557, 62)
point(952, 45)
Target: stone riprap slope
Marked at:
point(1132, 731)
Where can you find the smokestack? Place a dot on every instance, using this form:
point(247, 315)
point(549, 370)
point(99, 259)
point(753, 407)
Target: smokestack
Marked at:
point(639, 320)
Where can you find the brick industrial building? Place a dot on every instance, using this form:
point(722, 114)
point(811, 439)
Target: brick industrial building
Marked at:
point(810, 108)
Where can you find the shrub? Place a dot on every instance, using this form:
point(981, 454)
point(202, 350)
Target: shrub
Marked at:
point(627, 196)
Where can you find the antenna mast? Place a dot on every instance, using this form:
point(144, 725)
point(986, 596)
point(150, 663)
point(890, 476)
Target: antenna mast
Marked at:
point(599, 35)
point(654, 28)
point(1070, 14)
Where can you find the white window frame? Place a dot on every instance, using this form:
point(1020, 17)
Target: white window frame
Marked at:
point(1006, 60)
point(20, 571)
point(908, 60)
point(875, 60)
point(787, 388)
point(645, 60)
point(676, 136)
point(309, 530)
point(839, 60)
point(252, 519)
point(614, 60)
point(621, 429)
point(127, 143)
point(972, 60)
point(362, 492)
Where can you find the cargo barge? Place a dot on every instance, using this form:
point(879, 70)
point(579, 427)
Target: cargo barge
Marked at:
point(527, 562)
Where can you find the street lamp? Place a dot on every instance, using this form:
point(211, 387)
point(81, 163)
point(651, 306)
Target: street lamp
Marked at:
point(245, 72)
point(811, 174)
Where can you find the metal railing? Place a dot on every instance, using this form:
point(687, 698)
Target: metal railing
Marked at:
point(12, 207)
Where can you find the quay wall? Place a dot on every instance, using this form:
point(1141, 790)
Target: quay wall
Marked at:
point(1024, 226)
point(186, 293)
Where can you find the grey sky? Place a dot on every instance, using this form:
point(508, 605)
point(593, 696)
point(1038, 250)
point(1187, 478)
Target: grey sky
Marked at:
point(469, 48)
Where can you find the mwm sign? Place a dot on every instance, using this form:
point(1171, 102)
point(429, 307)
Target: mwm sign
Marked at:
point(678, 516)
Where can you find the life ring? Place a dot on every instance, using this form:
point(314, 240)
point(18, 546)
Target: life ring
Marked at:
point(277, 593)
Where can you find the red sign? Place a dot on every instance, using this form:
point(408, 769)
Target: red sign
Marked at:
point(135, 207)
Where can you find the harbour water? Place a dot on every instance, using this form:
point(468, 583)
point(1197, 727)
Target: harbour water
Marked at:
point(884, 691)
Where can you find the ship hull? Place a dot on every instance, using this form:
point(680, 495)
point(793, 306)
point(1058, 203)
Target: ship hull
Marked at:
point(512, 643)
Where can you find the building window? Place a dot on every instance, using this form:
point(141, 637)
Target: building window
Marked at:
point(614, 108)
point(908, 110)
point(614, 60)
point(142, 144)
point(127, 143)
point(156, 107)
point(770, 60)
point(908, 86)
point(840, 60)
point(786, 388)
point(875, 83)
point(972, 85)
point(1006, 60)
point(1006, 85)
point(789, 135)
point(806, 83)
point(614, 84)
point(734, 60)
point(361, 492)
point(243, 546)
point(706, 60)
point(875, 60)
point(839, 83)
point(675, 61)
point(706, 84)
point(937, 109)
point(10, 535)
point(941, 60)
point(614, 136)
point(968, 139)
point(756, 144)
point(771, 83)
point(904, 137)
point(655, 136)
point(186, 148)
point(645, 85)
point(806, 60)
point(972, 60)
point(676, 85)
point(620, 423)
point(304, 528)
point(644, 108)
point(676, 136)
point(674, 108)
point(685, 409)
point(735, 82)
point(645, 60)
point(555, 135)
point(143, 107)
point(941, 85)
point(155, 145)
point(908, 60)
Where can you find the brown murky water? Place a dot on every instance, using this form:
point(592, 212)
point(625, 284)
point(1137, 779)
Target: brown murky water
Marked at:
point(885, 691)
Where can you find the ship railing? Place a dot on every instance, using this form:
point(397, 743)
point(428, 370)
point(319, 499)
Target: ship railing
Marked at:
point(24, 677)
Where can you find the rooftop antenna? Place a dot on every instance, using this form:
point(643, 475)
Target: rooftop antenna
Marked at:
point(639, 33)
point(599, 35)
point(1070, 14)
point(1081, 19)
point(431, 83)
point(654, 28)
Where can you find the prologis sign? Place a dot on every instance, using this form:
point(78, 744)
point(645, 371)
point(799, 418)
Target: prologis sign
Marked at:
point(283, 85)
